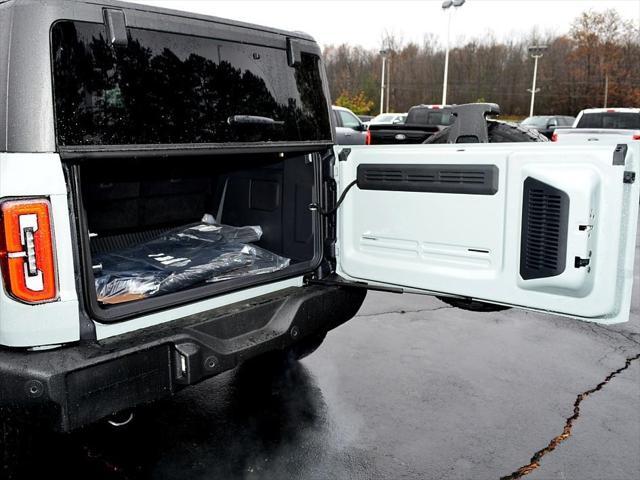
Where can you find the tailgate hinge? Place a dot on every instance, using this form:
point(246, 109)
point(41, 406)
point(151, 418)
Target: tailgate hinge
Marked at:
point(343, 156)
point(116, 25)
point(293, 52)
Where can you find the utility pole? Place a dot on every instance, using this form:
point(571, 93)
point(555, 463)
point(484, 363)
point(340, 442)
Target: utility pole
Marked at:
point(536, 52)
point(606, 89)
point(446, 5)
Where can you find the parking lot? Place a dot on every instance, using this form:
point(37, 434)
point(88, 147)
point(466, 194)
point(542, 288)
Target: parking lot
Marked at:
point(410, 388)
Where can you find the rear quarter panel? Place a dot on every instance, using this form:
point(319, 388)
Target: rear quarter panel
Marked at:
point(23, 325)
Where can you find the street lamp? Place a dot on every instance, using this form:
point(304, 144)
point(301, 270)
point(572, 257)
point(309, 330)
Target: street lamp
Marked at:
point(536, 52)
point(383, 53)
point(446, 5)
point(388, 83)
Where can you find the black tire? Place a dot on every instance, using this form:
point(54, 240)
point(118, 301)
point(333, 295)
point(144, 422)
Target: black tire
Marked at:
point(498, 132)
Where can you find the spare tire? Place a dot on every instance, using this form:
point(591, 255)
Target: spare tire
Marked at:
point(498, 132)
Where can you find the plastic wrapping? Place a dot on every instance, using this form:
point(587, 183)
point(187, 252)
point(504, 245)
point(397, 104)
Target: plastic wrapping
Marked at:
point(182, 258)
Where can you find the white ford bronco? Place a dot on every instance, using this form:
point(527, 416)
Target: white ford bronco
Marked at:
point(127, 130)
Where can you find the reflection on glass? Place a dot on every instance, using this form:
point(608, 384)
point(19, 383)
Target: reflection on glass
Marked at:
point(166, 88)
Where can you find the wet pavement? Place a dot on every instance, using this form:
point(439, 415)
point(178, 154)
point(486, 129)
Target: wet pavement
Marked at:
point(410, 388)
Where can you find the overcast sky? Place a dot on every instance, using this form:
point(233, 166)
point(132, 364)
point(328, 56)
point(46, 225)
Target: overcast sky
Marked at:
point(364, 22)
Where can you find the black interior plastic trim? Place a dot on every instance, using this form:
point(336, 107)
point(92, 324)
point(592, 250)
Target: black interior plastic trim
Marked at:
point(84, 153)
point(437, 178)
point(77, 220)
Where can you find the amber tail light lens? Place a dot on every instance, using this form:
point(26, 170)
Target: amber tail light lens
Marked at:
point(26, 250)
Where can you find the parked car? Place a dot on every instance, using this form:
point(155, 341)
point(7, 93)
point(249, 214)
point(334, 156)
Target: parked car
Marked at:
point(213, 138)
point(349, 129)
point(546, 124)
point(365, 118)
point(388, 118)
point(615, 118)
point(421, 122)
point(602, 125)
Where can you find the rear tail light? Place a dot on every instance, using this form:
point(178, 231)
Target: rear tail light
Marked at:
point(636, 136)
point(26, 253)
point(554, 137)
point(367, 138)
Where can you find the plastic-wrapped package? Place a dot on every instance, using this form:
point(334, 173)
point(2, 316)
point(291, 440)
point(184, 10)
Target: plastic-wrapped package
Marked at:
point(182, 258)
point(262, 261)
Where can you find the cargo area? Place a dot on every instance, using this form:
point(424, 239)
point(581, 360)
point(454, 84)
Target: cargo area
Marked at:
point(130, 204)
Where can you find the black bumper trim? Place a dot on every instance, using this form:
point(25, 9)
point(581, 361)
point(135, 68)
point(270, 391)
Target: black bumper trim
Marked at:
point(77, 385)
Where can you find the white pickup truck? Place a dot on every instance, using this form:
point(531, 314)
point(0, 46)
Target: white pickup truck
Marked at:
point(604, 125)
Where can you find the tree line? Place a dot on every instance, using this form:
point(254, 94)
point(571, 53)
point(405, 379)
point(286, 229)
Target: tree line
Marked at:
point(595, 64)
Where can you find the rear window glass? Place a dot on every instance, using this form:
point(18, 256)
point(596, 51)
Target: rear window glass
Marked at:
point(617, 120)
point(167, 88)
point(424, 116)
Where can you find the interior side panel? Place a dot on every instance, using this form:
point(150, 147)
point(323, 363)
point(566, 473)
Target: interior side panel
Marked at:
point(136, 203)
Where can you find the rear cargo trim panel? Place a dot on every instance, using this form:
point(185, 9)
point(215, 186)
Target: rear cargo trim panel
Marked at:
point(141, 310)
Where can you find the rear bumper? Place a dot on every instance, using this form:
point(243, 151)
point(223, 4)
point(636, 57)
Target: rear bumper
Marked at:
point(74, 386)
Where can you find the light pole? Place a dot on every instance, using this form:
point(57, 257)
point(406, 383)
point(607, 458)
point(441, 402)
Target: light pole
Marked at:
point(446, 5)
point(383, 53)
point(388, 83)
point(536, 52)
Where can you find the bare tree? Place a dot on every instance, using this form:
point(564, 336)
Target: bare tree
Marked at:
point(601, 49)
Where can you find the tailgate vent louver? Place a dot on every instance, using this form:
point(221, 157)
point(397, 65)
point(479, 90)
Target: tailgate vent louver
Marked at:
point(383, 175)
point(543, 246)
point(462, 179)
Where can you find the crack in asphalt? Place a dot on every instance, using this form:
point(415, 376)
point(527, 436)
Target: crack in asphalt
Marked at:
point(602, 329)
point(534, 463)
point(405, 311)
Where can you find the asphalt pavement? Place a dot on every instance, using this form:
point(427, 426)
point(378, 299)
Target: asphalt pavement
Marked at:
point(409, 389)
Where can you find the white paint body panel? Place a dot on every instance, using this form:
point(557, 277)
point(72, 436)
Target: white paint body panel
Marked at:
point(421, 241)
point(40, 175)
